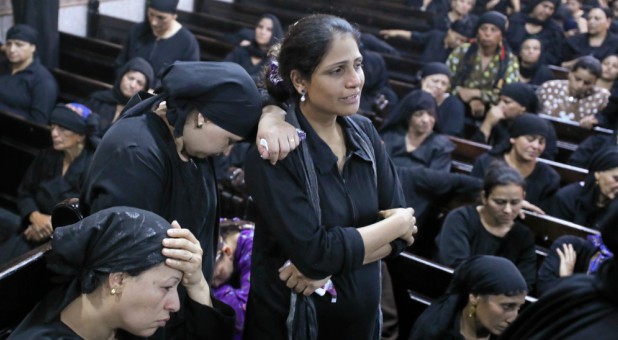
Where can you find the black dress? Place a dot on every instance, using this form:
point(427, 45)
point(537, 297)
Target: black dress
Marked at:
point(141, 42)
point(450, 118)
point(576, 203)
point(541, 184)
point(579, 46)
point(287, 228)
point(241, 55)
point(551, 37)
point(30, 93)
point(463, 236)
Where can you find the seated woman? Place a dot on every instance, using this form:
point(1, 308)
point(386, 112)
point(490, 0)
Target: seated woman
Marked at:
point(490, 228)
point(578, 98)
point(409, 138)
point(609, 74)
point(136, 75)
point(377, 95)
point(531, 70)
point(586, 203)
point(122, 268)
point(55, 174)
point(26, 86)
point(436, 79)
point(253, 57)
point(527, 136)
point(459, 10)
point(483, 298)
point(161, 39)
point(598, 42)
point(570, 255)
point(588, 147)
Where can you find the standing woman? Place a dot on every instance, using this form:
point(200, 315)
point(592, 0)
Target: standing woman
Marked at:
point(253, 56)
point(319, 210)
point(161, 40)
point(135, 76)
point(483, 298)
point(26, 86)
point(490, 228)
point(55, 174)
point(527, 138)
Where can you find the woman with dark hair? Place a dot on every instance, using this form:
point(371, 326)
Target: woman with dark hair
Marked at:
point(27, 88)
point(536, 20)
point(531, 70)
point(578, 98)
point(598, 42)
point(135, 76)
point(377, 95)
point(586, 203)
point(526, 142)
point(330, 211)
point(409, 138)
point(483, 299)
point(459, 10)
point(436, 79)
point(609, 74)
point(55, 174)
point(490, 228)
point(253, 57)
point(122, 268)
point(161, 39)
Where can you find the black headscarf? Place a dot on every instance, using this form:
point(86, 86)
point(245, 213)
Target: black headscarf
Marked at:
point(434, 68)
point(277, 33)
point(118, 239)
point(464, 27)
point(526, 124)
point(168, 6)
point(68, 119)
point(221, 91)
point(492, 17)
point(604, 159)
point(481, 275)
point(530, 7)
point(521, 93)
point(115, 95)
point(23, 32)
point(415, 101)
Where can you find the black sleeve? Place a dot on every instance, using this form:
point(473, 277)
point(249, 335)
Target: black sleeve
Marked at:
point(549, 272)
point(44, 96)
point(454, 239)
point(28, 186)
point(203, 322)
point(582, 155)
point(563, 203)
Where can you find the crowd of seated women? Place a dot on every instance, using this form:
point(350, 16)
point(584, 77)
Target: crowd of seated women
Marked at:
point(488, 89)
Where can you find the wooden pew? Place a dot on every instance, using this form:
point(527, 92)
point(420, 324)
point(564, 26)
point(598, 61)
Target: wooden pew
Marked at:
point(571, 133)
point(467, 151)
point(89, 57)
point(23, 282)
point(76, 88)
point(547, 229)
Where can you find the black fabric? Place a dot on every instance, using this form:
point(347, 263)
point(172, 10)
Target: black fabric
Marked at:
point(533, 3)
point(585, 150)
point(434, 68)
point(523, 94)
point(579, 46)
point(465, 27)
point(537, 74)
point(433, 153)
point(549, 272)
point(451, 117)
point(160, 53)
point(376, 82)
point(223, 92)
point(287, 228)
point(482, 275)
point(492, 17)
point(433, 45)
point(551, 37)
point(528, 124)
point(416, 100)
point(24, 33)
point(30, 93)
point(463, 235)
point(168, 6)
point(68, 119)
point(43, 17)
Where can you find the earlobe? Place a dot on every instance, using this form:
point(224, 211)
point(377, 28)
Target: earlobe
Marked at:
point(297, 82)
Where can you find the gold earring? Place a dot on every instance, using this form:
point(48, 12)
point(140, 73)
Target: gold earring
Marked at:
point(471, 311)
point(113, 292)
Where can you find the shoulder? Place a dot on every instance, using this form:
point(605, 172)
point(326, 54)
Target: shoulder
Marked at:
point(570, 192)
point(441, 142)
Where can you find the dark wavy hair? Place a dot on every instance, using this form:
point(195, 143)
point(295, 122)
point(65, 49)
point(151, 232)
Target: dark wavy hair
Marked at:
point(499, 173)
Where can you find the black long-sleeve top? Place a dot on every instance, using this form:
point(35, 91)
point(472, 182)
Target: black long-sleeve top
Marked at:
point(31, 92)
point(579, 46)
point(551, 37)
point(141, 42)
point(433, 153)
point(434, 45)
point(287, 228)
point(463, 236)
point(44, 186)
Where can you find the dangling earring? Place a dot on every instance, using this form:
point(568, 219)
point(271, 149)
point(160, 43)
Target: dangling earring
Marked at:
point(302, 98)
point(471, 311)
point(113, 291)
